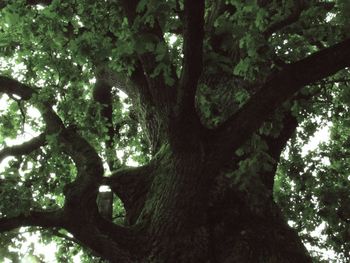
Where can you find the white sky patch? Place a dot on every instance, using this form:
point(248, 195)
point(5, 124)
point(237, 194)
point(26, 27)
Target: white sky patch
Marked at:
point(321, 135)
point(172, 39)
point(78, 20)
point(317, 233)
point(4, 100)
point(104, 188)
point(46, 250)
point(40, 7)
point(330, 16)
point(132, 163)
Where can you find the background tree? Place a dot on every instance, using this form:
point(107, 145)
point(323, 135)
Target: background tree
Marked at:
point(215, 90)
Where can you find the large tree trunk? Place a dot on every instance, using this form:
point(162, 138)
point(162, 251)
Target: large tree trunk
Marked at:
point(252, 232)
point(194, 215)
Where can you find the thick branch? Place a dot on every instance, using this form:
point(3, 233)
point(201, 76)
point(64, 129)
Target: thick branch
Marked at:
point(276, 146)
point(185, 125)
point(193, 55)
point(91, 237)
point(136, 87)
point(216, 8)
point(161, 92)
point(13, 87)
point(81, 194)
point(102, 94)
point(24, 148)
point(131, 185)
point(42, 219)
point(280, 86)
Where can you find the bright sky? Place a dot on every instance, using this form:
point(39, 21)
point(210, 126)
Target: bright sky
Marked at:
point(320, 136)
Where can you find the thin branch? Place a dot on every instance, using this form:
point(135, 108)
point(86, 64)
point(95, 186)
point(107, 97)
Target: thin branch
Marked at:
point(24, 148)
point(290, 19)
point(33, 218)
point(278, 88)
point(294, 16)
point(39, 2)
point(19, 102)
point(23, 114)
point(216, 8)
point(328, 6)
point(57, 233)
point(333, 81)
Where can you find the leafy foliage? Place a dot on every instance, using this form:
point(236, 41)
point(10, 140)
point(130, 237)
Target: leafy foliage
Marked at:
point(60, 49)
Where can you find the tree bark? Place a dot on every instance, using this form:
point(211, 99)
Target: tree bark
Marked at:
point(193, 215)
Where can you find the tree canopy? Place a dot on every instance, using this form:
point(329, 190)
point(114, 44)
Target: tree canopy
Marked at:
point(173, 131)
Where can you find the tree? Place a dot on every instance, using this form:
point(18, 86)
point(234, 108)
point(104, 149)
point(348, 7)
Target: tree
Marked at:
point(215, 90)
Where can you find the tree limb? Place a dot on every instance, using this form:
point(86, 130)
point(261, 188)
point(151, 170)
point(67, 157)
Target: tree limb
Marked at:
point(278, 88)
point(276, 146)
point(33, 218)
point(13, 87)
point(91, 237)
point(290, 19)
point(161, 92)
point(102, 94)
point(154, 96)
point(193, 55)
point(81, 194)
point(24, 148)
point(80, 201)
point(185, 124)
point(293, 16)
point(131, 185)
